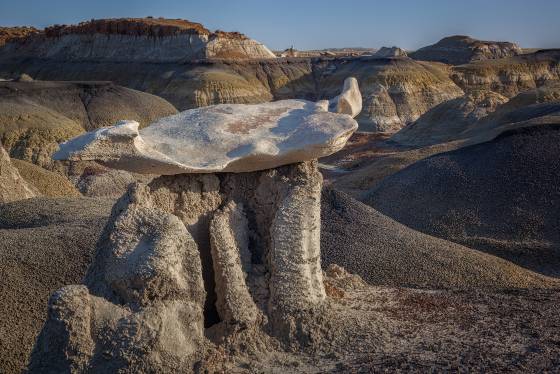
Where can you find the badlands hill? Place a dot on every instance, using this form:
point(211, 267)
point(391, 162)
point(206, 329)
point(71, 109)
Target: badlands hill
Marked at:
point(511, 75)
point(480, 115)
point(396, 91)
point(36, 116)
point(135, 39)
point(499, 196)
point(385, 252)
point(461, 49)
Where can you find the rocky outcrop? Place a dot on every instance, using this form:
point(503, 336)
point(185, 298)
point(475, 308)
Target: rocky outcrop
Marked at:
point(36, 116)
point(235, 253)
point(14, 34)
point(387, 52)
point(135, 39)
point(177, 257)
point(460, 49)
point(219, 138)
point(12, 186)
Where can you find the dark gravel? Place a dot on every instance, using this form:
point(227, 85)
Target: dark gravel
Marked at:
point(502, 197)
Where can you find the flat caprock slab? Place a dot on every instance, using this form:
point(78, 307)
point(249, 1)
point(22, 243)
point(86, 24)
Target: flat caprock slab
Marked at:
point(218, 138)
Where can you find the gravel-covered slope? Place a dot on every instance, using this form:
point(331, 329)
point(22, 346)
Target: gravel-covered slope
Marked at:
point(385, 252)
point(44, 244)
point(501, 196)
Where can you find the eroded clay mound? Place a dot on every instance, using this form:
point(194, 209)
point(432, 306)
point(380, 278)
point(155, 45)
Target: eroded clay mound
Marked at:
point(385, 252)
point(449, 120)
point(497, 196)
point(459, 49)
point(45, 244)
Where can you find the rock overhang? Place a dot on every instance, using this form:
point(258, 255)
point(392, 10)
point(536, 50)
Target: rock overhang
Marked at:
point(224, 137)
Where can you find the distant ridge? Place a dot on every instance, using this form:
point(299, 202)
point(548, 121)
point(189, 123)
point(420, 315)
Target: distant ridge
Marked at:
point(462, 49)
point(129, 39)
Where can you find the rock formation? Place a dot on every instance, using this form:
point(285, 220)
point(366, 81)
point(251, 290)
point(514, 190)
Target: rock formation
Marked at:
point(36, 116)
point(386, 52)
point(235, 253)
point(12, 186)
point(221, 138)
point(13, 34)
point(460, 49)
point(135, 39)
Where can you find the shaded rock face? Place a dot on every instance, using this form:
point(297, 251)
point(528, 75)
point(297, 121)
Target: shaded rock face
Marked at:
point(227, 251)
point(459, 49)
point(499, 196)
point(126, 40)
point(12, 186)
point(36, 116)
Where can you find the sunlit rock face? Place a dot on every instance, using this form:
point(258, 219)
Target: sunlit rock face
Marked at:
point(224, 138)
point(132, 39)
point(12, 186)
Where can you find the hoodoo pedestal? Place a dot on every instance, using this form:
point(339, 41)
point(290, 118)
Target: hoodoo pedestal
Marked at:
point(202, 257)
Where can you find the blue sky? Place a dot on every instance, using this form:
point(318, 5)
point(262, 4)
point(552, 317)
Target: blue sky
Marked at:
point(321, 24)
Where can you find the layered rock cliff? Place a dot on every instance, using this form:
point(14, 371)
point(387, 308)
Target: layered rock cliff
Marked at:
point(395, 91)
point(135, 39)
point(461, 49)
point(509, 76)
